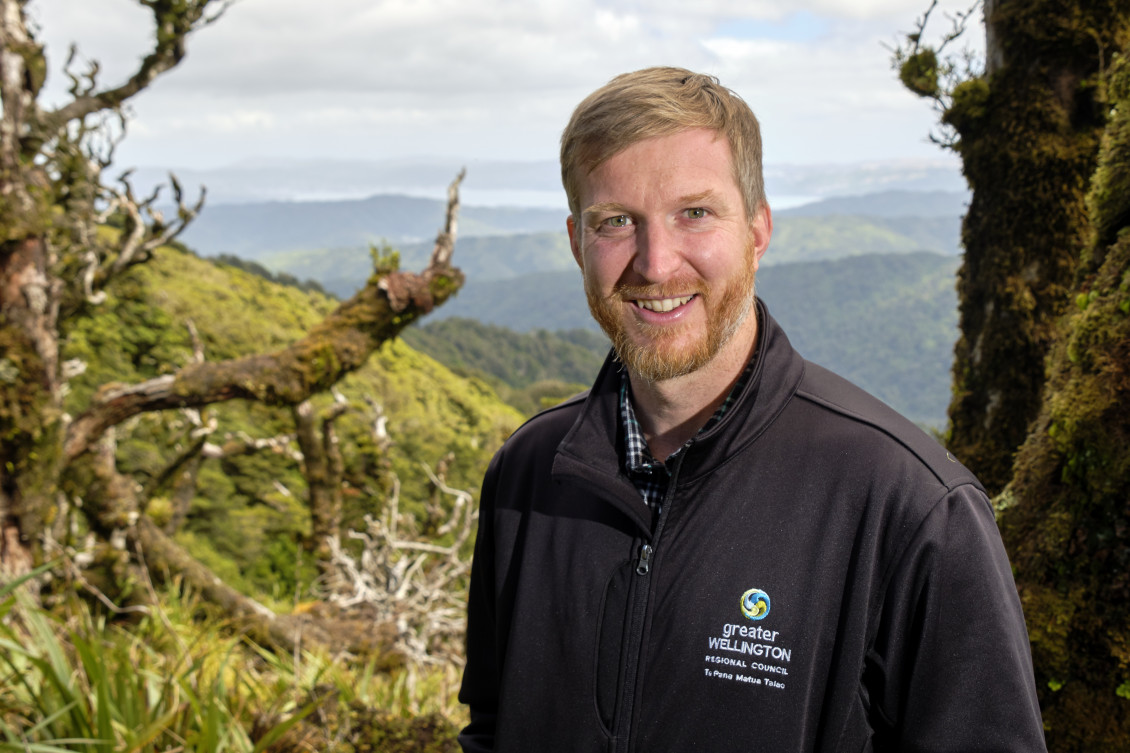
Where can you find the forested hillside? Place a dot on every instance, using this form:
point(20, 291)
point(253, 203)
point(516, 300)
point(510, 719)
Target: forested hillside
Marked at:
point(530, 370)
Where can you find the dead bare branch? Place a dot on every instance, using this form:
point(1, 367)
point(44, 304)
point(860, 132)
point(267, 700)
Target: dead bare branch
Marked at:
point(239, 444)
point(407, 581)
point(141, 237)
point(197, 343)
point(445, 240)
point(928, 71)
point(173, 22)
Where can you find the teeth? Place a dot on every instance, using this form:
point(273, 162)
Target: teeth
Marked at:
point(663, 305)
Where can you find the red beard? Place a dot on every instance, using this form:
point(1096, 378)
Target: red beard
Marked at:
point(650, 351)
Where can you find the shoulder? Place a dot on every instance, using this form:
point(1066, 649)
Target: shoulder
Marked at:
point(536, 441)
point(877, 429)
point(550, 425)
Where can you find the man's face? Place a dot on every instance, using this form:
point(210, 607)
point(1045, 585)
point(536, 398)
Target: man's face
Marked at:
point(668, 255)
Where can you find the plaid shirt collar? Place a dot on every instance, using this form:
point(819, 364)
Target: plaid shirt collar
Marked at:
point(650, 476)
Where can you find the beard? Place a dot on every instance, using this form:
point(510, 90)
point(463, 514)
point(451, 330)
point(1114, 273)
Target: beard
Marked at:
point(653, 352)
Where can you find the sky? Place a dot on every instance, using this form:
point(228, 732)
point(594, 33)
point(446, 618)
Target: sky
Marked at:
point(278, 80)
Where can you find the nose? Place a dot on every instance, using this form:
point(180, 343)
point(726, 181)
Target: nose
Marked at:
point(658, 254)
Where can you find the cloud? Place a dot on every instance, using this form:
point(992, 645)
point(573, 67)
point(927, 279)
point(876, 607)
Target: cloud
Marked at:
point(496, 77)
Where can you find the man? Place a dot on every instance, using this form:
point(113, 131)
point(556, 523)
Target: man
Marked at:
point(721, 546)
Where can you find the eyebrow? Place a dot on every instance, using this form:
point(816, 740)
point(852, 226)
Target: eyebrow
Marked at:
point(696, 198)
point(605, 207)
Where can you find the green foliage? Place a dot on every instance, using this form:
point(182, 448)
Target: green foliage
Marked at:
point(531, 371)
point(179, 679)
point(81, 682)
point(1108, 202)
point(517, 359)
point(385, 259)
point(969, 105)
point(432, 413)
point(919, 73)
point(801, 238)
point(887, 323)
point(282, 278)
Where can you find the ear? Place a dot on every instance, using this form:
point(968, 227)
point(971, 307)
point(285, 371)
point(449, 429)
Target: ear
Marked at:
point(574, 240)
point(762, 229)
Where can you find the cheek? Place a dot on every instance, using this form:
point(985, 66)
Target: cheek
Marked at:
point(605, 264)
point(713, 261)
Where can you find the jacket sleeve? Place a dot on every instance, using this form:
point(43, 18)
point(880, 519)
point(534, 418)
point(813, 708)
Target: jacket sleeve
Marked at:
point(479, 690)
point(950, 668)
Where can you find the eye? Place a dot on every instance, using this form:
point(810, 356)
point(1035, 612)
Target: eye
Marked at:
point(697, 213)
point(620, 220)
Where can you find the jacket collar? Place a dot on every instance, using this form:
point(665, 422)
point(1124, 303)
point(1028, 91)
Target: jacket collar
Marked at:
point(592, 451)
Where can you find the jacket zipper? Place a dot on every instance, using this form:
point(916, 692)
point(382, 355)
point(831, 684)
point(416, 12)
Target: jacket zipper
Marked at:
point(639, 613)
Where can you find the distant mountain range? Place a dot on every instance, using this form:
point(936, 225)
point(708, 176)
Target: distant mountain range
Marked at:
point(258, 230)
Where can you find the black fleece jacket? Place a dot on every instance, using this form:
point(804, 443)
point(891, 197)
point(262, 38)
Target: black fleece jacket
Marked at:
point(824, 577)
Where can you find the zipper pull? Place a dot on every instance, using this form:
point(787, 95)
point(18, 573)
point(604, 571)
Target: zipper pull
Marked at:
point(644, 564)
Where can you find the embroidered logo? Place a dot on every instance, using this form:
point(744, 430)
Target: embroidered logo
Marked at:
point(755, 604)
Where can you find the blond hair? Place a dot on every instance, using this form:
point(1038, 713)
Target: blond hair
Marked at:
point(660, 102)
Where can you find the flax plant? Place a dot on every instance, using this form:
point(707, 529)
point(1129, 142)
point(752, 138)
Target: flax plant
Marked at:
point(81, 684)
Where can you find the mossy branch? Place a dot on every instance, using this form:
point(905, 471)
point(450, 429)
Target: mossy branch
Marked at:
point(927, 71)
point(338, 345)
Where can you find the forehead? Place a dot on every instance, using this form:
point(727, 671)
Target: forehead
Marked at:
point(687, 162)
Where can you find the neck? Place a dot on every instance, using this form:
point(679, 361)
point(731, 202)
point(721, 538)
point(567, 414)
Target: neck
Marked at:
point(672, 411)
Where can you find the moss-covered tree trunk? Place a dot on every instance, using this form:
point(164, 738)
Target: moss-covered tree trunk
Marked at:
point(30, 426)
point(1028, 135)
point(48, 181)
point(1044, 360)
point(1067, 525)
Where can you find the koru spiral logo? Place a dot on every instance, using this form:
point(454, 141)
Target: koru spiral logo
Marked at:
point(755, 604)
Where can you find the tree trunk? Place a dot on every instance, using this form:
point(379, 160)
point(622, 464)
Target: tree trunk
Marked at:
point(1067, 525)
point(29, 406)
point(48, 178)
point(162, 555)
point(1028, 138)
point(323, 471)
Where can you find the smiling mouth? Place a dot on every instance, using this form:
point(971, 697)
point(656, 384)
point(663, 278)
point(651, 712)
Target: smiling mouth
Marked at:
point(662, 305)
